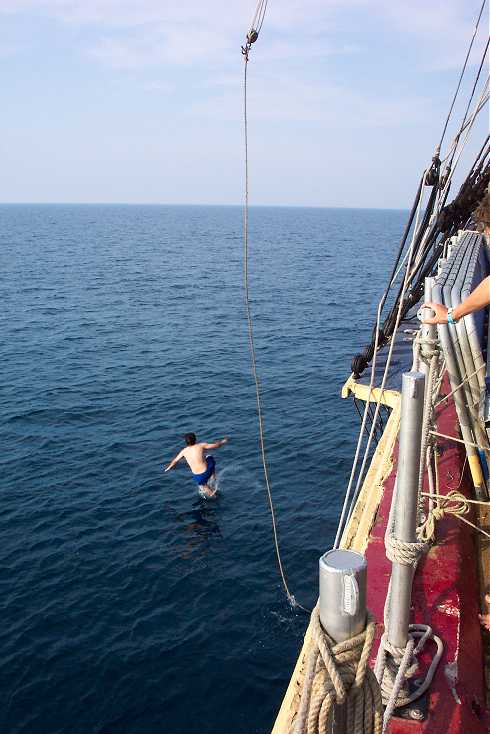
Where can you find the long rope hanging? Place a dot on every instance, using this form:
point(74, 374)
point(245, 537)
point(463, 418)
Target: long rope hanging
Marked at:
point(252, 36)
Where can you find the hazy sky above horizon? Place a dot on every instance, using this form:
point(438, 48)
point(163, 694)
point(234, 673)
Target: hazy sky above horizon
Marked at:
point(141, 101)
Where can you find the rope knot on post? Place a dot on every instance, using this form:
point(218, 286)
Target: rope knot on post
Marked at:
point(339, 675)
point(453, 503)
point(403, 552)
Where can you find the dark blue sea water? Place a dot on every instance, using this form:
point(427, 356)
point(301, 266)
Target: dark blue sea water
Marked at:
point(128, 604)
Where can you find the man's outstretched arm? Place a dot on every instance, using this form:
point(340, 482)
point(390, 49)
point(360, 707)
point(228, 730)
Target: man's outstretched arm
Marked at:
point(175, 460)
point(215, 445)
point(478, 299)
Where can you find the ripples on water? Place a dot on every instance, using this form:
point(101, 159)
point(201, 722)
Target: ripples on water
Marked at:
point(129, 604)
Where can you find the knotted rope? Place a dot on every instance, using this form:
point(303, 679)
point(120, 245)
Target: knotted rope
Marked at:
point(395, 665)
point(442, 507)
point(402, 551)
point(453, 503)
point(337, 675)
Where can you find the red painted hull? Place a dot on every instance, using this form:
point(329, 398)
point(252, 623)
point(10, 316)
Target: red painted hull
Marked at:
point(445, 596)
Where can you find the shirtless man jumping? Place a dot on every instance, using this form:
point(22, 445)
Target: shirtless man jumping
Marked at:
point(203, 467)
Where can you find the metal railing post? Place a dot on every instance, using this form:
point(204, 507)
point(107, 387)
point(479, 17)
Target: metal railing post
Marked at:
point(343, 578)
point(412, 408)
point(428, 332)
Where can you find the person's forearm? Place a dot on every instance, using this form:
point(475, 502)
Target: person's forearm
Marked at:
point(478, 299)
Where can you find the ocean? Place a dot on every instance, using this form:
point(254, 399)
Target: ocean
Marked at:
point(129, 604)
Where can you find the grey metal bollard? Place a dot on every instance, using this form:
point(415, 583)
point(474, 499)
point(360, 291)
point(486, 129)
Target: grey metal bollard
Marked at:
point(412, 408)
point(343, 575)
point(428, 331)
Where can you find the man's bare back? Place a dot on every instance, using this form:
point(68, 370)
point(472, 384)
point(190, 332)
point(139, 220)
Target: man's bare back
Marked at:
point(194, 455)
point(202, 467)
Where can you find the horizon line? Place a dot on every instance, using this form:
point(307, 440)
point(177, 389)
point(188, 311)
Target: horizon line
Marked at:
point(192, 204)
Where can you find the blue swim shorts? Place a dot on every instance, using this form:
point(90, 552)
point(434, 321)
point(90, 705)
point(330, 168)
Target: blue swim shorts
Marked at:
point(203, 478)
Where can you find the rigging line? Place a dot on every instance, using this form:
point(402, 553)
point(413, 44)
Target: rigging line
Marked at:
point(420, 234)
point(375, 424)
point(443, 501)
point(485, 503)
point(425, 235)
point(369, 427)
point(480, 159)
point(396, 270)
point(345, 515)
point(459, 440)
point(454, 144)
point(258, 396)
point(474, 86)
point(446, 397)
point(357, 408)
point(258, 19)
point(483, 99)
point(481, 102)
point(462, 72)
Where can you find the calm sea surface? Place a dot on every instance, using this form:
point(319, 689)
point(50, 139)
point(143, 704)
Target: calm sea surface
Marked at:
point(128, 604)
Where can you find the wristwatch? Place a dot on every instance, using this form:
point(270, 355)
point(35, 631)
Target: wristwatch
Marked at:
point(450, 317)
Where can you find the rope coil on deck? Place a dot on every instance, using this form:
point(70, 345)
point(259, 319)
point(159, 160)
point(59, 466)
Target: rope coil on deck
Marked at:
point(337, 674)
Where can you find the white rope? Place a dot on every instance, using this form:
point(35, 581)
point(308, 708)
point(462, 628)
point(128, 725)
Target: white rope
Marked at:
point(338, 674)
point(344, 517)
point(442, 507)
point(458, 440)
point(259, 16)
point(482, 102)
point(446, 397)
point(484, 96)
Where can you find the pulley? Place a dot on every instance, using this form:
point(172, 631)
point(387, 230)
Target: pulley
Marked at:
point(252, 36)
point(432, 175)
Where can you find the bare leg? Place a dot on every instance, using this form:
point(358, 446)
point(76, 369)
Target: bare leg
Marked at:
point(485, 618)
point(207, 490)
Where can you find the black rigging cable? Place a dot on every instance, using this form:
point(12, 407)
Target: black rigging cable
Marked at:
point(462, 73)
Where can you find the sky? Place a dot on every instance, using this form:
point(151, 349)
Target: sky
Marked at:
point(141, 101)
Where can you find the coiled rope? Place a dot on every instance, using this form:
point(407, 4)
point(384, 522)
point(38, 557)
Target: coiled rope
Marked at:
point(252, 36)
point(338, 674)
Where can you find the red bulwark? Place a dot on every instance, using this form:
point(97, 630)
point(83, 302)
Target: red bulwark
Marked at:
point(445, 596)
